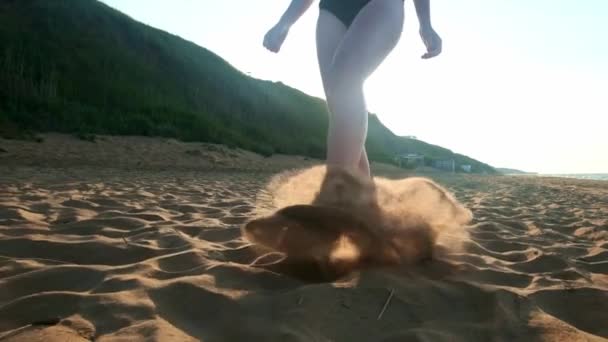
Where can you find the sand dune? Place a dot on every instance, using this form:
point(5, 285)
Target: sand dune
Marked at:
point(116, 255)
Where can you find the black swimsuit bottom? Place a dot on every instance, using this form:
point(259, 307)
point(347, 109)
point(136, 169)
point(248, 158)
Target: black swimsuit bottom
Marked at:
point(345, 10)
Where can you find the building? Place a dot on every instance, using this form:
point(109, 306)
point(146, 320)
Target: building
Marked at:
point(445, 164)
point(409, 159)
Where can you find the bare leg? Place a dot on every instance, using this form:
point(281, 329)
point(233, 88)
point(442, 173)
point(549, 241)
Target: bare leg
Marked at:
point(330, 32)
point(364, 163)
point(371, 37)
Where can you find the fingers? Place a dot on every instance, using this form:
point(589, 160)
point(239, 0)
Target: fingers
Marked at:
point(271, 47)
point(268, 44)
point(433, 48)
point(432, 53)
point(273, 40)
point(432, 41)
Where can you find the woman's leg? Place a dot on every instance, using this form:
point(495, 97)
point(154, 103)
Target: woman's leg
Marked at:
point(364, 163)
point(370, 38)
point(330, 32)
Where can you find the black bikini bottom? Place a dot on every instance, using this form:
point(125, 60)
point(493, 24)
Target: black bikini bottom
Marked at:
point(345, 10)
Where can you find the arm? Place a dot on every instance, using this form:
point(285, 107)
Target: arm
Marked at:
point(431, 39)
point(423, 10)
point(295, 10)
point(277, 34)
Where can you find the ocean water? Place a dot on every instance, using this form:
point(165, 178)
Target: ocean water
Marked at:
point(594, 176)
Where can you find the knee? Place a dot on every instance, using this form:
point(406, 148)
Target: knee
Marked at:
point(340, 81)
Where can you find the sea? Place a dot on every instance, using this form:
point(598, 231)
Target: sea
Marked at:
point(594, 176)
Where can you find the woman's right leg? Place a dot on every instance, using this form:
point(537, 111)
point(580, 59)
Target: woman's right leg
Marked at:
point(330, 32)
point(364, 163)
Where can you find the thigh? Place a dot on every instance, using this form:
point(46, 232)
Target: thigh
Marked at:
point(371, 37)
point(330, 32)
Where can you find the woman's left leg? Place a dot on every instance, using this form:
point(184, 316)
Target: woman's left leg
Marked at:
point(370, 38)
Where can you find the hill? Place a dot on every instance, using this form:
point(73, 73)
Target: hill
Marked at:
point(508, 171)
point(82, 67)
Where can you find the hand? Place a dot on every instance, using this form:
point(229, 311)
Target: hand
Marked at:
point(432, 41)
point(273, 40)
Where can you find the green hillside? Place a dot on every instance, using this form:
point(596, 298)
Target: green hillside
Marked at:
point(82, 67)
point(509, 171)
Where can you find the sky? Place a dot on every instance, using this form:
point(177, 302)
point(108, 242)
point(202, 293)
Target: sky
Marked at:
point(520, 83)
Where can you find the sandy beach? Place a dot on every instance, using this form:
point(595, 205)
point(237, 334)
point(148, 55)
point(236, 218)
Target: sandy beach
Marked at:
point(133, 239)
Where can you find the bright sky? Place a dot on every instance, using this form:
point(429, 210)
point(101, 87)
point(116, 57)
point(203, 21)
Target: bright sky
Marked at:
point(520, 84)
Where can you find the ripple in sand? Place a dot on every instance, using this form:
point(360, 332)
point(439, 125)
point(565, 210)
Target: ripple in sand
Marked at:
point(80, 253)
point(55, 278)
point(583, 308)
point(541, 264)
point(127, 291)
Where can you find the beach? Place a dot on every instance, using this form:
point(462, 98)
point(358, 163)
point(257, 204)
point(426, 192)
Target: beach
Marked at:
point(130, 239)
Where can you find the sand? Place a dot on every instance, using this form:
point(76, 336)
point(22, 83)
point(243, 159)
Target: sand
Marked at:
point(95, 250)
